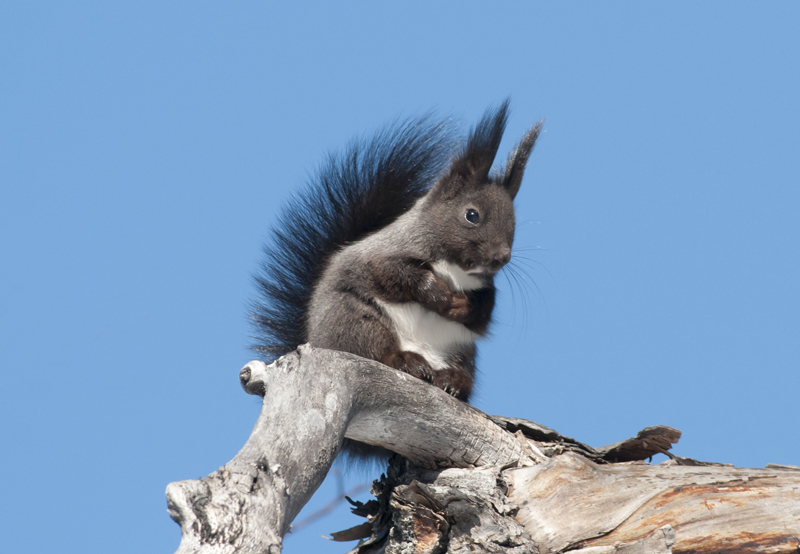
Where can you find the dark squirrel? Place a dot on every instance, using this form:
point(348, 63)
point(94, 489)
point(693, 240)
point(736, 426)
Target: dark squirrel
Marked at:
point(391, 252)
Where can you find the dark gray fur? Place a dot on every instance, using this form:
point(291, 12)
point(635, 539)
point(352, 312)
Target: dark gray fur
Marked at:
point(415, 291)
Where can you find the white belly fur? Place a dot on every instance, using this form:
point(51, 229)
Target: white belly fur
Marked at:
point(427, 333)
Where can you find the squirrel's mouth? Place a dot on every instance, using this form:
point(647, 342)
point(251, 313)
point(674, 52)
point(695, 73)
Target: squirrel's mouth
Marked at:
point(481, 271)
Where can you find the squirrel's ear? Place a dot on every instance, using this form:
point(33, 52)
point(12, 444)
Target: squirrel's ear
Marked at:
point(475, 161)
point(518, 159)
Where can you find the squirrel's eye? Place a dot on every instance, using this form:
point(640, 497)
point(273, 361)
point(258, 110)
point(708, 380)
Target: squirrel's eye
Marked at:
point(472, 216)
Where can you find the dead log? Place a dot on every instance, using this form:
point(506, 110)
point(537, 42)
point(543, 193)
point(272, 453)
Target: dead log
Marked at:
point(465, 482)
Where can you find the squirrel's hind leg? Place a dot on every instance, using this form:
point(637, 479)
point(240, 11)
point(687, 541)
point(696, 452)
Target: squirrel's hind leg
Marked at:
point(411, 363)
point(455, 379)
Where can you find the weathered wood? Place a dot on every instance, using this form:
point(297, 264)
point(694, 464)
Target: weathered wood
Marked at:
point(247, 505)
point(515, 486)
point(569, 502)
point(457, 511)
point(313, 398)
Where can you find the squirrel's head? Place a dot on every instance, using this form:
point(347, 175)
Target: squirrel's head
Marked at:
point(470, 208)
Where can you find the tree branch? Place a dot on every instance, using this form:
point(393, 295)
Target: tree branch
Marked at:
point(313, 398)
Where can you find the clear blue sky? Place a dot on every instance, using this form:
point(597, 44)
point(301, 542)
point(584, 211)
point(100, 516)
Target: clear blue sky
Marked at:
point(146, 147)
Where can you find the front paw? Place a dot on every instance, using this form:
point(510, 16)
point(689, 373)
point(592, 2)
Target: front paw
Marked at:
point(436, 294)
point(458, 310)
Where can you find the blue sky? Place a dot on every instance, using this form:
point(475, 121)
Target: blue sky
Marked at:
point(146, 148)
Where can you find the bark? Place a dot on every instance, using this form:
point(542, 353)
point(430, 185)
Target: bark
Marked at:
point(467, 482)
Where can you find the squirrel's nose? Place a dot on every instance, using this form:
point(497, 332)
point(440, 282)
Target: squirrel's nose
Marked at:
point(501, 257)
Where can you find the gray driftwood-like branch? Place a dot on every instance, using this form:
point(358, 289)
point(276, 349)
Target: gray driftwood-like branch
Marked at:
point(467, 482)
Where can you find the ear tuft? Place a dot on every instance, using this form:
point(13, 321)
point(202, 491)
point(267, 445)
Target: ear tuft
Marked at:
point(518, 159)
point(476, 160)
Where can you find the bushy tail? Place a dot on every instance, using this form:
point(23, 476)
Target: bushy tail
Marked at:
point(359, 191)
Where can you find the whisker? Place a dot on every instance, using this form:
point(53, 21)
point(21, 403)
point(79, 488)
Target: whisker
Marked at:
point(533, 249)
point(512, 285)
point(529, 261)
point(520, 286)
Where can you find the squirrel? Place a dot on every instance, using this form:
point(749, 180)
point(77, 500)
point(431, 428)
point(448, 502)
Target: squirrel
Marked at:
point(391, 252)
